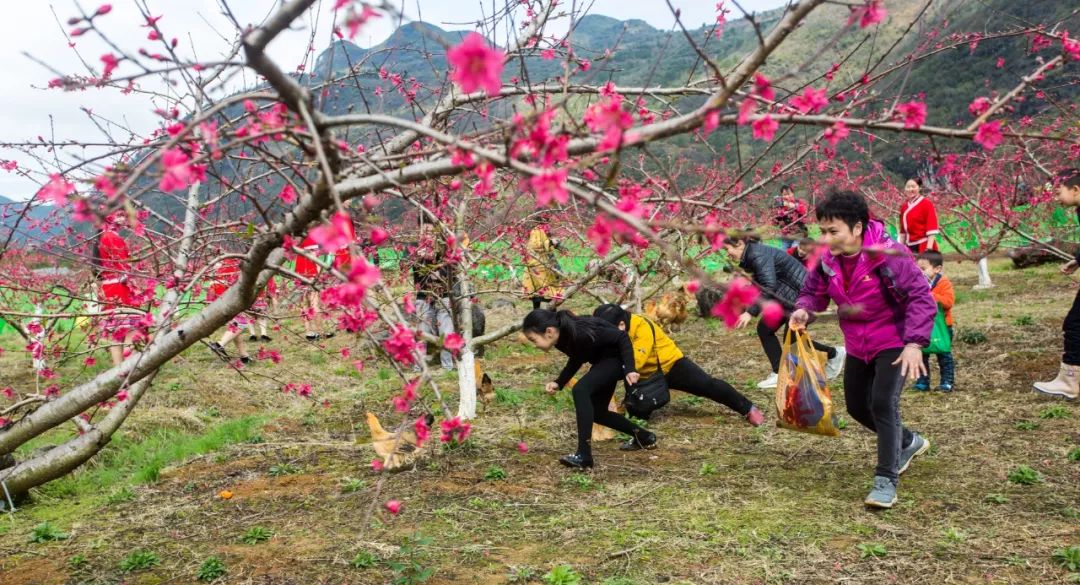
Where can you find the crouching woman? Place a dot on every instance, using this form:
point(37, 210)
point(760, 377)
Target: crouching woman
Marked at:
point(597, 342)
point(654, 349)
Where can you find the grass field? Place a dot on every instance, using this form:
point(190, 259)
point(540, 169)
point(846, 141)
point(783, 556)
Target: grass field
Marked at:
point(997, 499)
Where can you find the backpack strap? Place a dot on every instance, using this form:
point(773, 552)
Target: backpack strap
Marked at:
point(893, 293)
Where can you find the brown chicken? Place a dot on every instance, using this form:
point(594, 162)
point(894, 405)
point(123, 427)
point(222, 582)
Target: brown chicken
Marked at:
point(485, 388)
point(602, 433)
point(397, 453)
point(669, 310)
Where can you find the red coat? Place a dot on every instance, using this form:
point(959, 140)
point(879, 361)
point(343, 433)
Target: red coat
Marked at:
point(112, 257)
point(227, 274)
point(918, 221)
point(305, 267)
point(342, 256)
point(113, 261)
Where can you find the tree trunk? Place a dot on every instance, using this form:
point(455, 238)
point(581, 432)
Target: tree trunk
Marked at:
point(467, 363)
point(467, 383)
point(65, 458)
point(984, 275)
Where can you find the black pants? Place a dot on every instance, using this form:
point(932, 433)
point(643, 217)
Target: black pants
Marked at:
point(1071, 328)
point(592, 394)
point(537, 301)
point(771, 344)
point(872, 392)
point(688, 377)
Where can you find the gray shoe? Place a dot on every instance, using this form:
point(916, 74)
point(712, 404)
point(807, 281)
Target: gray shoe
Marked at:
point(884, 493)
point(918, 446)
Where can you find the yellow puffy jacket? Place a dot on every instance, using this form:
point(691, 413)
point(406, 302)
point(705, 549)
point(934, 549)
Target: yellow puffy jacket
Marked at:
point(641, 336)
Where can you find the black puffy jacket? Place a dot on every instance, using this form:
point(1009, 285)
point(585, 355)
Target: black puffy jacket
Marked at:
point(779, 275)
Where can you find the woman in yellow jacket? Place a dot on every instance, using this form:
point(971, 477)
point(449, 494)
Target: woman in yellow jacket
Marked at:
point(540, 268)
point(680, 371)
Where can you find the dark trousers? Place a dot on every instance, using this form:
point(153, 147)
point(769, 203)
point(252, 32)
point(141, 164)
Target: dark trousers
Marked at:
point(537, 301)
point(872, 392)
point(771, 344)
point(946, 367)
point(1071, 328)
point(688, 377)
point(592, 393)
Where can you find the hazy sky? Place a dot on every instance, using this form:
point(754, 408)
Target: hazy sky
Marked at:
point(36, 28)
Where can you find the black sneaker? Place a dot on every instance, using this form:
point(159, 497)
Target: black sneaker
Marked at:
point(266, 338)
point(576, 461)
point(245, 359)
point(642, 440)
point(328, 335)
point(312, 336)
point(253, 338)
point(219, 351)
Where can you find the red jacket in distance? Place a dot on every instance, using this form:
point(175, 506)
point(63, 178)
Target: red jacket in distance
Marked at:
point(112, 257)
point(113, 261)
point(342, 258)
point(227, 274)
point(918, 221)
point(305, 267)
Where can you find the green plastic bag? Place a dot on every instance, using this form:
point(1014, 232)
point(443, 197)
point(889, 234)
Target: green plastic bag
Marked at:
point(940, 340)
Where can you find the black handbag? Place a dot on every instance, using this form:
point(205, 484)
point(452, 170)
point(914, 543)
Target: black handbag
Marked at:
point(649, 393)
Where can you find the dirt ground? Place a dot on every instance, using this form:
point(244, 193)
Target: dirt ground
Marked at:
point(718, 502)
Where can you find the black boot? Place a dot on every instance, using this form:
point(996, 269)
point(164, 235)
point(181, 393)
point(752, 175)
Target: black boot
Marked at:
point(642, 439)
point(577, 461)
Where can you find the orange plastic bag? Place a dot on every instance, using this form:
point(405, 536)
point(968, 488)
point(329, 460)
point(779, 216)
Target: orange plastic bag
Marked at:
point(803, 402)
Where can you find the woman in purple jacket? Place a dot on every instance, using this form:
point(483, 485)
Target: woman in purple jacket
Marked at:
point(886, 314)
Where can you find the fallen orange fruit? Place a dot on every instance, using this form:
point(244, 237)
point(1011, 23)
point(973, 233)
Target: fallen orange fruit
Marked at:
point(225, 494)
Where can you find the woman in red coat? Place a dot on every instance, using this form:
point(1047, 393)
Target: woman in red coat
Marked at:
point(226, 275)
point(307, 268)
point(918, 219)
point(112, 263)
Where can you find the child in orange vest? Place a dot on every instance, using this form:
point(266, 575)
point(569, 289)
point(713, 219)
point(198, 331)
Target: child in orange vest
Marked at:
point(932, 263)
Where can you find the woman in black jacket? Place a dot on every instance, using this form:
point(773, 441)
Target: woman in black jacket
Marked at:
point(780, 278)
point(592, 340)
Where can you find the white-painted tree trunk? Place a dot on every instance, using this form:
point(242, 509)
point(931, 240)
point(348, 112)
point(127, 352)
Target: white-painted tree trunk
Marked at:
point(467, 363)
point(984, 275)
point(467, 383)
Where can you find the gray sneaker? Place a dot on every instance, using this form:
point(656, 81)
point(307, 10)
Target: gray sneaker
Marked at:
point(918, 446)
point(884, 493)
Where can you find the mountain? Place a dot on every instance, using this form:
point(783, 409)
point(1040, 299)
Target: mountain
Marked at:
point(633, 53)
point(403, 74)
point(31, 226)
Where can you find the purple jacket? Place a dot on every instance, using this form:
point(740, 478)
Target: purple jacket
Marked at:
point(887, 304)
